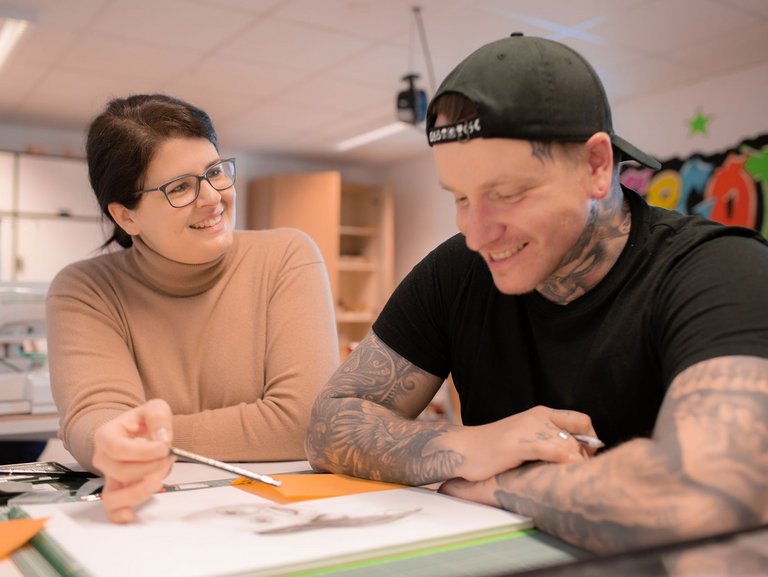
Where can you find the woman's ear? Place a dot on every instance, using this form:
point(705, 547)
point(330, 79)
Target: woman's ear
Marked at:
point(600, 159)
point(123, 217)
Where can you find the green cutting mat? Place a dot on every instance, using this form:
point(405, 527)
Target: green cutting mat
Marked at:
point(503, 554)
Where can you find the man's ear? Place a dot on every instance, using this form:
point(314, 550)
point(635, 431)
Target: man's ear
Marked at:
point(600, 159)
point(123, 217)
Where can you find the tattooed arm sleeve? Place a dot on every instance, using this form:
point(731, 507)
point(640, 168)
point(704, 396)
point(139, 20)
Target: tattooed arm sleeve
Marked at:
point(704, 471)
point(362, 423)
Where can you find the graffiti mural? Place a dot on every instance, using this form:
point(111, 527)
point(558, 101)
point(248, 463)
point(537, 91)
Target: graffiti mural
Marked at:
point(730, 187)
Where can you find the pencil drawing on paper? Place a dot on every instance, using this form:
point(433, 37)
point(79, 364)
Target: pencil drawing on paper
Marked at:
point(268, 519)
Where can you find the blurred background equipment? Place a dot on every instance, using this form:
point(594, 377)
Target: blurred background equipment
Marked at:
point(412, 102)
point(24, 381)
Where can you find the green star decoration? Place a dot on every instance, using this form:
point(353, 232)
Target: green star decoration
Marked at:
point(757, 164)
point(699, 123)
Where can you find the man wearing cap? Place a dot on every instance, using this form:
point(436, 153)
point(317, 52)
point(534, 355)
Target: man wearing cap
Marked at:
point(566, 308)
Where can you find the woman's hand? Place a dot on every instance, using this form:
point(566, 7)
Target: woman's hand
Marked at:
point(131, 451)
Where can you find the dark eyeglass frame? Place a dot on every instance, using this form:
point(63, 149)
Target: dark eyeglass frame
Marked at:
point(200, 178)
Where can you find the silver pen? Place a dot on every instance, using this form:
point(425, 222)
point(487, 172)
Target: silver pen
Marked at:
point(589, 441)
point(189, 456)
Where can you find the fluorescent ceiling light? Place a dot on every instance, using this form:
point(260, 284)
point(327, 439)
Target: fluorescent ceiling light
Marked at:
point(367, 137)
point(13, 23)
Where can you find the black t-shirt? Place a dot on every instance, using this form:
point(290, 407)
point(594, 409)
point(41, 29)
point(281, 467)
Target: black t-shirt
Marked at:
point(684, 289)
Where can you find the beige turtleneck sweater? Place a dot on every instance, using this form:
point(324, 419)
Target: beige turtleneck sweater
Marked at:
point(238, 347)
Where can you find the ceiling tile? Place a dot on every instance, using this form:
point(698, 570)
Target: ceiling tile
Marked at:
point(663, 26)
point(271, 122)
point(571, 13)
point(72, 99)
point(96, 54)
point(222, 75)
point(643, 76)
point(337, 94)
point(255, 6)
point(182, 24)
point(382, 65)
point(41, 45)
point(756, 7)
point(738, 48)
point(454, 34)
point(365, 19)
point(296, 46)
point(299, 75)
point(69, 15)
point(13, 94)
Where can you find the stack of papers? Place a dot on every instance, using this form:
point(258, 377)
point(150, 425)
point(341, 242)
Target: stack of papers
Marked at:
point(245, 528)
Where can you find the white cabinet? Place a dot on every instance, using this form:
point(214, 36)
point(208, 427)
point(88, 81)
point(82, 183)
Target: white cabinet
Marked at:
point(7, 247)
point(49, 216)
point(7, 162)
point(45, 246)
point(49, 185)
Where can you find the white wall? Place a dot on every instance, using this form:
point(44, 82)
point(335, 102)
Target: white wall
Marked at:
point(424, 213)
point(27, 138)
point(657, 124)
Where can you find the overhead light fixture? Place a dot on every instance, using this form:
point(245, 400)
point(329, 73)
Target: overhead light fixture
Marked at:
point(13, 23)
point(367, 137)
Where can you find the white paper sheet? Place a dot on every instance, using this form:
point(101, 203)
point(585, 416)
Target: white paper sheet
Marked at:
point(226, 531)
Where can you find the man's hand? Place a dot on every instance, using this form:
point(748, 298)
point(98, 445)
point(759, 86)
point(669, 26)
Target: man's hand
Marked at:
point(538, 434)
point(477, 491)
point(131, 451)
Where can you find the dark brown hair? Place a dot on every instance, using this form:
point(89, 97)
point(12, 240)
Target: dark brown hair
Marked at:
point(453, 106)
point(123, 139)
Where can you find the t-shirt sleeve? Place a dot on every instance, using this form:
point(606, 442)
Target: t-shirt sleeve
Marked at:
point(712, 304)
point(415, 322)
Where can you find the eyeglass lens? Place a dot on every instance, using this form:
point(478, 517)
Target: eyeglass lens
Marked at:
point(184, 190)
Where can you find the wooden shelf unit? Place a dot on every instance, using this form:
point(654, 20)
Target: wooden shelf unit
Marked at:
point(352, 224)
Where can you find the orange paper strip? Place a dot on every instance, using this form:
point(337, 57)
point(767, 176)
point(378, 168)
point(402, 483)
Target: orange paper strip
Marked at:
point(304, 487)
point(16, 532)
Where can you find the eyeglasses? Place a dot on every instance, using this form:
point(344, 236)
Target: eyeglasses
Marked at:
point(185, 189)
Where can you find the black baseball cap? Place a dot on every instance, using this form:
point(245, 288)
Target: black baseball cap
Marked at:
point(530, 88)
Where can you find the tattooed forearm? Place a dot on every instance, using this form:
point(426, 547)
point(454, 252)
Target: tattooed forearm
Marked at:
point(628, 498)
point(362, 423)
point(704, 471)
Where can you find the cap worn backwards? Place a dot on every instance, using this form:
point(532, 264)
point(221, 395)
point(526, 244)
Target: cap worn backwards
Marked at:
point(530, 89)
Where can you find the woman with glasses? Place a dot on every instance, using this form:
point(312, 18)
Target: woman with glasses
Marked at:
point(193, 333)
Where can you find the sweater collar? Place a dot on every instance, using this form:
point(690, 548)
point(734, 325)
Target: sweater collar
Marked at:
point(175, 278)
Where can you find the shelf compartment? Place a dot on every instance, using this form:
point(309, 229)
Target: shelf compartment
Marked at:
point(351, 230)
point(365, 317)
point(356, 264)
